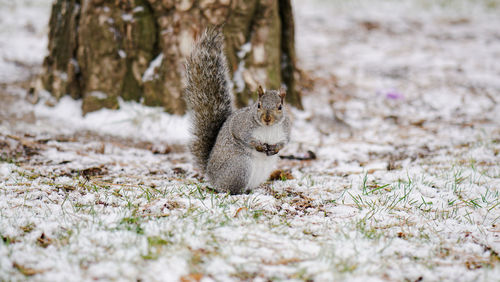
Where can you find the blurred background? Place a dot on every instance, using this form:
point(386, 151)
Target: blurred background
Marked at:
point(421, 59)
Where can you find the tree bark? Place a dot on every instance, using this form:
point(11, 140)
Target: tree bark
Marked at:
point(135, 49)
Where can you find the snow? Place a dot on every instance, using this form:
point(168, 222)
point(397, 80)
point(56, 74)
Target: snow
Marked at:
point(23, 37)
point(238, 73)
point(122, 54)
point(138, 9)
point(150, 72)
point(127, 17)
point(404, 119)
point(131, 121)
point(98, 94)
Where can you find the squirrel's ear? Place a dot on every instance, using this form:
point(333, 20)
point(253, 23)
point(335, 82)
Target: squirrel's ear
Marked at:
point(282, 93)
point(260, 91)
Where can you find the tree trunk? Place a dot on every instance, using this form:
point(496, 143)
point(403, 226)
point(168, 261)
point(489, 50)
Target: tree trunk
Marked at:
point(135, 49)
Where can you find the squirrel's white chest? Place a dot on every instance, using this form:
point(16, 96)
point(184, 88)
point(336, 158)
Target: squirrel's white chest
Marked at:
point(261, 168)
point(269, 134)
point(263, 165)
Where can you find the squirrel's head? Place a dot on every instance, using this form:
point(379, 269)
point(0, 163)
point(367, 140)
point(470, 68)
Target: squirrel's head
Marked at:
point(270, 106)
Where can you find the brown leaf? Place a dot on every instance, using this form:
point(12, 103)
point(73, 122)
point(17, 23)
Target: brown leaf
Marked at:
point(28, 228)
point(44, 241)
point(9, 240)
point(179, 170)
point(370, 25)
point(239, 210)
point(20, 147)
point(281, 175)
point(472, 264)
point(66, 187)
point(302, 203)
point(92, 171)
point(193, 277)
point(418, 123)
point(26, 270)
point(284, 261)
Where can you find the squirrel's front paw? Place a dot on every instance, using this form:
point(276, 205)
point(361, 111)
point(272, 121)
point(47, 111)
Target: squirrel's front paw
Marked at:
point(272, 149)
point(259, 146)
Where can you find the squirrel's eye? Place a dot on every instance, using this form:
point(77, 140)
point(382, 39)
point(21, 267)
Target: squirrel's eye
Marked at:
point(279, 107)
point(258, 105)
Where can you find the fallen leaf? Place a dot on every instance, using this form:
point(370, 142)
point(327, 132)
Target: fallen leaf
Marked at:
point(26, 270)
point(44, 241)
point(281, 175)
point(239, 210)
point(193, 277)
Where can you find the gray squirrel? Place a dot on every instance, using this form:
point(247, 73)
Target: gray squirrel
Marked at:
point(236, 149)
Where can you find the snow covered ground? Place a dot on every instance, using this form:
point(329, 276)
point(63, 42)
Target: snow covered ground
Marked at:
point(404, 119)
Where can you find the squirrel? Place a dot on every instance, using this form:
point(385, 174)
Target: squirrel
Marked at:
point(235, 149)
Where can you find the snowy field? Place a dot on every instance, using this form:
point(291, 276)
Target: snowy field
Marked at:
point(402, 112)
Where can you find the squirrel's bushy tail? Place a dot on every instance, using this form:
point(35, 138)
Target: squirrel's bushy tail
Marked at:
point(207, 93)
